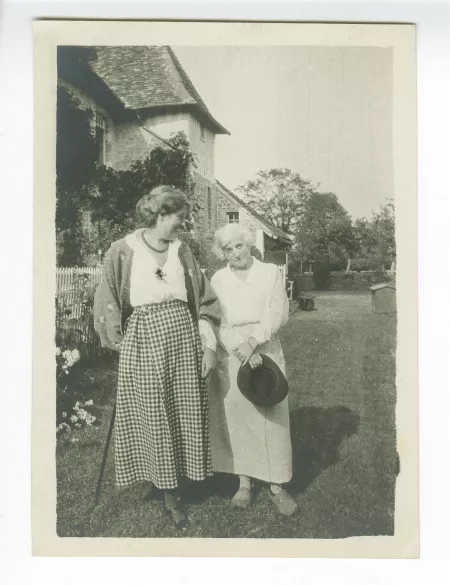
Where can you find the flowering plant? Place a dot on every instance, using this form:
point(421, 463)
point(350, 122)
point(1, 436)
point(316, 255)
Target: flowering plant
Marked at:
point(80, 417)
point(65, 360)
point(72, 412)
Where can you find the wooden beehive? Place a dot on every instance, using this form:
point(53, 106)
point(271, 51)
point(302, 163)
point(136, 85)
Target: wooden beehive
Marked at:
point(383, 298)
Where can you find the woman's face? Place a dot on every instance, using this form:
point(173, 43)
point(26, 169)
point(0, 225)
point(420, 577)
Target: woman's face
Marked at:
point(170, 226)
point(237, 253)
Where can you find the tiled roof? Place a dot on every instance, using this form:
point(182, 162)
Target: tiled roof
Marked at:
point(272, 229)
point(149, 77)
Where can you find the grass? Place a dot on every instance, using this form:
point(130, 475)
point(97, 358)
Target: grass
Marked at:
point(341, 368)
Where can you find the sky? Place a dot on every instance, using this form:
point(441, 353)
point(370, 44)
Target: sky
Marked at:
point(324, 112)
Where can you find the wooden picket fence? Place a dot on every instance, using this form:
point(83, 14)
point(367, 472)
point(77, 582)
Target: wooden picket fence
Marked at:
point(289, 283)
point(75, 288)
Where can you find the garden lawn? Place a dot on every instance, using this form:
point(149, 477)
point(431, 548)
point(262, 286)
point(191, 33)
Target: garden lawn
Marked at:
point(341, 368)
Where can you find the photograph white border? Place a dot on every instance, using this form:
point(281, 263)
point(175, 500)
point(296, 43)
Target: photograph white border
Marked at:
point(50, 34)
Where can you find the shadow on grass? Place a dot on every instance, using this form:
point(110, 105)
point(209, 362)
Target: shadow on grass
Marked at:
point(317, 434)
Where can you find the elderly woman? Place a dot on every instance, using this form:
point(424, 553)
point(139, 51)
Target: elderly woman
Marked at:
point(247, 440)
point(157, 309)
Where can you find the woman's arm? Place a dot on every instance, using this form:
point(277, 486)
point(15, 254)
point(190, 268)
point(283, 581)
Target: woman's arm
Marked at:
point(226, 334)
point(228, 337)
point(276, 313)
point(107, 312)
point(209, 315)
point(209, 307)
point(209, 312)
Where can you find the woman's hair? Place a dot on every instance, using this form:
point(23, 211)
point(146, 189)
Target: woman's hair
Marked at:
point(162, 200)
point(226, 233)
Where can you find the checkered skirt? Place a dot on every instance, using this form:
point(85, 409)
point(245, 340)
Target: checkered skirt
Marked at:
point(162, 403)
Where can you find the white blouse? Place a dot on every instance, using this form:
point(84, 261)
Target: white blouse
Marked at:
point(259, 301)
point(147, 287)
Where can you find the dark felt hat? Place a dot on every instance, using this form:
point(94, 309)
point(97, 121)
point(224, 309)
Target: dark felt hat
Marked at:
point(265, 385)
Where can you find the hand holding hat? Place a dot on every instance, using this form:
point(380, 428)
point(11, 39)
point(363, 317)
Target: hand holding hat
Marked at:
point(255, 361)
point(264, 385)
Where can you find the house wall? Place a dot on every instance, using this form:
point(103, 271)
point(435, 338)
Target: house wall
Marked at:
point(211, 216)
point(206, 219)
point(86, 102)
point(227, 204)
point(129, 144)
point(202, 147)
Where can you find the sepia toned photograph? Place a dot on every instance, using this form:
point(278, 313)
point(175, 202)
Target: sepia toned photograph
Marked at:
point(226, 246)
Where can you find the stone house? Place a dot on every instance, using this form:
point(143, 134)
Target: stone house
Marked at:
point(140, 96)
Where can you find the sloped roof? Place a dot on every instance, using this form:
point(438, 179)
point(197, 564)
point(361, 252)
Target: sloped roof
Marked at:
point(271, 229)
point(380, 286)
point(144, 77)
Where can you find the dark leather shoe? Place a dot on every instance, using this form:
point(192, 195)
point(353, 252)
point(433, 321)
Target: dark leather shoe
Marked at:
point(174, 508)
point(179, 517)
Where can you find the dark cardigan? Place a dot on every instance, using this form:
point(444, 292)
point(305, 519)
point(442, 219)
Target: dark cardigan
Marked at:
point(112, 305)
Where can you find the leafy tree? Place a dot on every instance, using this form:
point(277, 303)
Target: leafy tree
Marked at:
point(375, 238)
point(325, 228)
point(318, 221)
point(280, 195)
point(75, 171)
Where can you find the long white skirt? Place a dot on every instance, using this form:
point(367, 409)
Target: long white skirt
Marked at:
point(248, 439)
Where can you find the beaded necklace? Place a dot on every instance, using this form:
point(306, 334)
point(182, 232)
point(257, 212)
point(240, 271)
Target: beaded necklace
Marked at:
point(151, 247)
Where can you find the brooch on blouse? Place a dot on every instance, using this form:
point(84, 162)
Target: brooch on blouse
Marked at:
point(160, 274)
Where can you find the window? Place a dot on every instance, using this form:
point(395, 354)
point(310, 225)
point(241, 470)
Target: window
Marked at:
point(100, 130)
point(233, 216)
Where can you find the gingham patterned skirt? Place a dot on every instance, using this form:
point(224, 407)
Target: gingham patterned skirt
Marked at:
point(162, 403)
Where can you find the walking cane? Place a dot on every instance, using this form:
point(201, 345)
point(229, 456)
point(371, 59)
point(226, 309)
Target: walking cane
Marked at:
point(105, 455)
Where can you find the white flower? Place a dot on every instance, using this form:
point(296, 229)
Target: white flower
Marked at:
point(89, 403)
point(75, 355)
point(73, 418)
point(74, 440)
point(64, 414)
point(63, 427)
point(82, 414)
point(58, 351)
point(90, 419)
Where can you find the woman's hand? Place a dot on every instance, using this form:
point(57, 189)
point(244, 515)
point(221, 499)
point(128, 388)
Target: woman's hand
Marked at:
point(255, 361)
point(244, 352)
point(208, 361)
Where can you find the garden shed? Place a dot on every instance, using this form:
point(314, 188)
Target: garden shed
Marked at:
point(383, 298)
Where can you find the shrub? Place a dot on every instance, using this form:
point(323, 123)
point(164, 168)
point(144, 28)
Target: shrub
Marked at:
point(72, 412)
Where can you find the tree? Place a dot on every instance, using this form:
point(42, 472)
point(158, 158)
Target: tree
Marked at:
point(375, 238)
point(75, 171)
point(324, 228)
point(280, 195)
